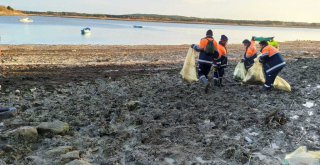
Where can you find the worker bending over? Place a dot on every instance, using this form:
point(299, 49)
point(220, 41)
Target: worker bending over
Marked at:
point(250, 53)
point(272, 62)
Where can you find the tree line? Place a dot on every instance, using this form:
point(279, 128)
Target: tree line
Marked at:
point(176, 18)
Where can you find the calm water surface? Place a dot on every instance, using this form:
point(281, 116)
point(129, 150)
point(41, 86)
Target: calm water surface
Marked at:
point(55, 30)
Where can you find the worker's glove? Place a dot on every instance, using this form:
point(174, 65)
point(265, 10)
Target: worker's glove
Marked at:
point(193, 46)
point(261, 60)
point(253, 38)
point(242, 60)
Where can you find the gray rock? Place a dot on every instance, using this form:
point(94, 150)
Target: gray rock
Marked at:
point(70, 156)
point(59, 151)
point(133, 105)
point(78, 162)
point(2, 162)
point(35, 160)
point(56, 127)
point(248, 140)
point(17, 92)
point(8, 114)
point(25, 133)
point(8, 148)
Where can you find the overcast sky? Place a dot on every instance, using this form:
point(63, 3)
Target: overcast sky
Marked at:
point(283, 10)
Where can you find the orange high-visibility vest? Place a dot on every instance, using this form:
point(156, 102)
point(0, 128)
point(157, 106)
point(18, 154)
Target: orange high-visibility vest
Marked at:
point(222, 51)
point(204, 42)
point(252, 50)
point(269, 50)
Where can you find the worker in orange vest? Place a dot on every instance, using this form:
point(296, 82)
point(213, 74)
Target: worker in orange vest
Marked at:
point(222, 62)
point(208, 49)
point(272, 61)
point(250, 53)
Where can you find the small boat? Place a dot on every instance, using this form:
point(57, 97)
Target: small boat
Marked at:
point(26, 20)
point(137, 26)
point(86, 31)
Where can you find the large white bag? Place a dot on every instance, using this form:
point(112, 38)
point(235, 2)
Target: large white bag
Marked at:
point(189, 71)
point(239, 72)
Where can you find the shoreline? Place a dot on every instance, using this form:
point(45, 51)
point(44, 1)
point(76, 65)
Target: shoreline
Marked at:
point(164, 21)
point(25, 59)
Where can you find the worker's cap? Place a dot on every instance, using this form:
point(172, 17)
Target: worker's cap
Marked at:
point(263, 43)
point(209, 33)
point(224, 38)
point(246, 41)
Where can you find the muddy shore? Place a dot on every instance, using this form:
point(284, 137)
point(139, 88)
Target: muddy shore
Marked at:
point(128, 105)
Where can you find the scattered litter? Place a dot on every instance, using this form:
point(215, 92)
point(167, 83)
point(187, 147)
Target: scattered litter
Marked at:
point(310, 113)
point(17, 92)
point(275, 146)
point(248, 140)
point(302, 156)
point(254, 134)
point(170, 161)
point(33, 89)
point(304, 67)
point(308, 104)
point(259, 155)
point(295, 117)
point(318, 86)
point(206, 126)
point(276, 117)
point(201, 161)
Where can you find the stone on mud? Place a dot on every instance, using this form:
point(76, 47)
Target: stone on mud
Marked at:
point(8, 114)
point(25, 133)
point(2, 162)
point(56, 127)
point(70, 156)
point(133, 105)
point(78, 162)
point(35, 160)
point(59, 151)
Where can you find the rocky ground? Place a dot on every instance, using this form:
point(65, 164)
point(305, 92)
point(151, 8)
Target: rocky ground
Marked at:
point(128, 105)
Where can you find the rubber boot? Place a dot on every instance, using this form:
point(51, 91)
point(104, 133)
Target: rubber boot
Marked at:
point(215, 82)
point(206, 83)
point(266, 89)
point(220, 82)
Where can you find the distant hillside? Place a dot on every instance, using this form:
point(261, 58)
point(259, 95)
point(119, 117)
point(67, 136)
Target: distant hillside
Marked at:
point(8, 11)
point(176, 18)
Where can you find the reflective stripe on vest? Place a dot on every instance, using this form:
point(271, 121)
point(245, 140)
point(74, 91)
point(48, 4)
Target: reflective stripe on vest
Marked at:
point(204, 61)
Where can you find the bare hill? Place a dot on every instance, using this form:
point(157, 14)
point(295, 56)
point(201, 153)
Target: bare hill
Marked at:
point(8, 11)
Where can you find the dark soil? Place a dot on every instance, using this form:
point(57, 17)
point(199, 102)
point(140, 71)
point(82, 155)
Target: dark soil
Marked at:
point(150, 116)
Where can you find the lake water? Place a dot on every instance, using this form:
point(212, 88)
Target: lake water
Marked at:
point(55, 30)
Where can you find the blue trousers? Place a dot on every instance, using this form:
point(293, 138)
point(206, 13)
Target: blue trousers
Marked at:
point(271, 77)
point(204, 69)
point(218, 73)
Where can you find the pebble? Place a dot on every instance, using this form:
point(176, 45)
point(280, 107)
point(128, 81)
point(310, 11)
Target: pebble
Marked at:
point(56, 127)
point(26, 133)
point(248, 140)
point(70, 156)
point(36, 160)
point(17, 92)
point(59, 151)
point(78, 162)
point(309, 104)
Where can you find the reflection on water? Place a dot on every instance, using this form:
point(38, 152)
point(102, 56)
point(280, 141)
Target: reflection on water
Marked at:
point(54, 30)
